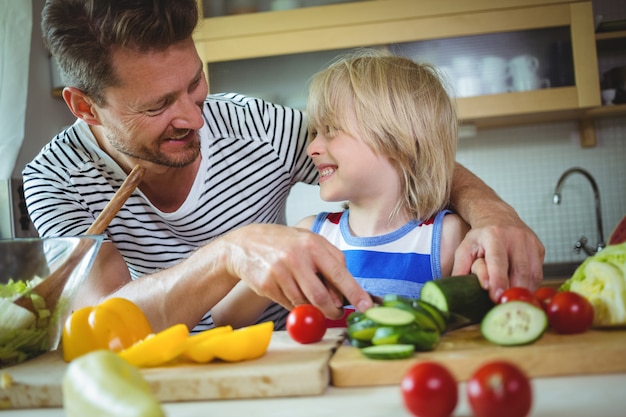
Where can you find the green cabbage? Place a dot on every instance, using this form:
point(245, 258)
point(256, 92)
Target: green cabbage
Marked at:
point(602, 280)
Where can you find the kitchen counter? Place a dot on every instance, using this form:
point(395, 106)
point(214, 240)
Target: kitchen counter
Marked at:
point(575, 396)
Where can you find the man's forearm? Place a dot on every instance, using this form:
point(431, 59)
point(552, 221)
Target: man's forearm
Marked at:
point(184, 292)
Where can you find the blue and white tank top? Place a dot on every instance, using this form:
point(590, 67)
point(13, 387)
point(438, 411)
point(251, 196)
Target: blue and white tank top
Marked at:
point(399, 262)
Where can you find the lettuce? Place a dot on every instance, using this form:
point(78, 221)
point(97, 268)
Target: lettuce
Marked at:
point(602, 280)
point(23, 334)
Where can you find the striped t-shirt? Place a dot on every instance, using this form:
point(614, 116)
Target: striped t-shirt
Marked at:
point(252, 153)
point(399, 262)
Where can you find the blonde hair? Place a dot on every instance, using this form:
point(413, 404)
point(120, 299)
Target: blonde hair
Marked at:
point(401, 110)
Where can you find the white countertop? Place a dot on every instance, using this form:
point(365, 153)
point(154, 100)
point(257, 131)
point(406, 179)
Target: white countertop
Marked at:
point(579, 396)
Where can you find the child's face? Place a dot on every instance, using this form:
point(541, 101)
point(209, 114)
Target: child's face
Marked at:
point(351, 171)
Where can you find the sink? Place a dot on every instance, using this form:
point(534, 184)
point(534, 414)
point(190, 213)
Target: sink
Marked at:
point(559, 270)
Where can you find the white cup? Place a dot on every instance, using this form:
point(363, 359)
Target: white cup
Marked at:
point(524, 76)
point(528, 82)
point(494, 74)
point(465, 66)
point(468, 86)
point(608, 95)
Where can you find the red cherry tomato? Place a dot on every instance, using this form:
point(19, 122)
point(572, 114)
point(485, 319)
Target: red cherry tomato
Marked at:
point(499, 389)
point(518, 294)
point(544, 295)
point(569, 313)
point(306, 324)
point(429, 390)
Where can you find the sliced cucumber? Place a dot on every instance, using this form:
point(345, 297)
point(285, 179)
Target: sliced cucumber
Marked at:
point(437, 315)
point(354, 317)
point(462, 295)
point(514, 323)
point(422, 339)
point(362, 330)
point(400, 351)
point(390, 316)
point(387, 335)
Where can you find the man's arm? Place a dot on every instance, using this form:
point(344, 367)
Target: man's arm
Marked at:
point(277, 262)
point(500, 248)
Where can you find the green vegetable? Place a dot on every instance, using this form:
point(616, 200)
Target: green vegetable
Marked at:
point(388, 351)
point(601, 279)
point(390, 316)
point(514, 323)
point(399, 321)
point(460, 295)
point(102, 384)
point(22, 334)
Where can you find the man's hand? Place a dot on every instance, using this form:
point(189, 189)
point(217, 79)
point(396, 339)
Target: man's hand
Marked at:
point(503, 252)
point(283, 263)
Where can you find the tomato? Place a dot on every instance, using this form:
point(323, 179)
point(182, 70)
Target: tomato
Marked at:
point(518, 294)
point(429, 390)
point(306, 324)
point(569, 313)
point(499, 389)
point(544, 295)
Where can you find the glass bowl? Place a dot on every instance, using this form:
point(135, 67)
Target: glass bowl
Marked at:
point(23, 264)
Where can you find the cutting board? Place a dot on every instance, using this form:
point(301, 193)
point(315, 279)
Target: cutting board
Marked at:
point(287, 369)
point(463, 351)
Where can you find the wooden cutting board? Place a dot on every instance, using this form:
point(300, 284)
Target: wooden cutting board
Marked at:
point(463, 351)
point(287, 369)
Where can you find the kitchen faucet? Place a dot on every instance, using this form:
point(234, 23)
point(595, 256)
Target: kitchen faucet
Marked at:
point(556, 199)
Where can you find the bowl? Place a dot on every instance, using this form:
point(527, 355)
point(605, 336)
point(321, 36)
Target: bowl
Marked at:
point(23, 264)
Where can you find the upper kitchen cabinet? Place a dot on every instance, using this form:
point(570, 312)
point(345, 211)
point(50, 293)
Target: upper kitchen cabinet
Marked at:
point(508, 62)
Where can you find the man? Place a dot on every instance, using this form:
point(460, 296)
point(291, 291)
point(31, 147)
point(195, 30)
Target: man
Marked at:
point(218, 172)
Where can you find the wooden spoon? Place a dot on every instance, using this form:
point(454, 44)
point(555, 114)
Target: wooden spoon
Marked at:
point(50, 289)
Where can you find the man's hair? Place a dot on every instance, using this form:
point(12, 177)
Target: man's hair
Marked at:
point(401, 110)
point(83, 34)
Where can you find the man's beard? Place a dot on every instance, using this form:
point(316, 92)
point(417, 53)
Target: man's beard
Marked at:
point(184, 158)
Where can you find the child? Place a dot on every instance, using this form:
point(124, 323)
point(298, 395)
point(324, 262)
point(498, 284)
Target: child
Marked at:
point(383, 138)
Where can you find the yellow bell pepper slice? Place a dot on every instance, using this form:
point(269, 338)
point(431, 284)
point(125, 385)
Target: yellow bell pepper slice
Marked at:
point(114, 324)
point(194, 346)
point(157, 349)
point(246, 343)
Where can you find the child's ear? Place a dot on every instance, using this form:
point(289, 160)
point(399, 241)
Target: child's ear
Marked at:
point(81, 105)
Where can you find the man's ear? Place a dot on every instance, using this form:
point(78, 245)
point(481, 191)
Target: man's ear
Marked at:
point(81, 105)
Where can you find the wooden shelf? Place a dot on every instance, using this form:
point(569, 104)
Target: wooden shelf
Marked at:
point(621, 34)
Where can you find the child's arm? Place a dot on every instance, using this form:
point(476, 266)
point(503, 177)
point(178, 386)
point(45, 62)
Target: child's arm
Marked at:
point(453, 232)
point(306, 223)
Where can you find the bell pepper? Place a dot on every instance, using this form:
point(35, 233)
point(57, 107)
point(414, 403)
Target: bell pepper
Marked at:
point(195, 349)
point(101, 384)
point(115, 324)
point(157, 349)
point(246, 343)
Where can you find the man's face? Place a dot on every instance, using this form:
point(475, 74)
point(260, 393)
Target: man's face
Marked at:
point(155, 113)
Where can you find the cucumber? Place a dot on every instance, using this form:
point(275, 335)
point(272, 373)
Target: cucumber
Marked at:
point(354, 317)
point(387, 335)
point(436, 317)
point(390, 316)
point(421, 316)
point(422, 339)
point(400, 351)
point(514, 323)
point(362, 330)
point(462, 295)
